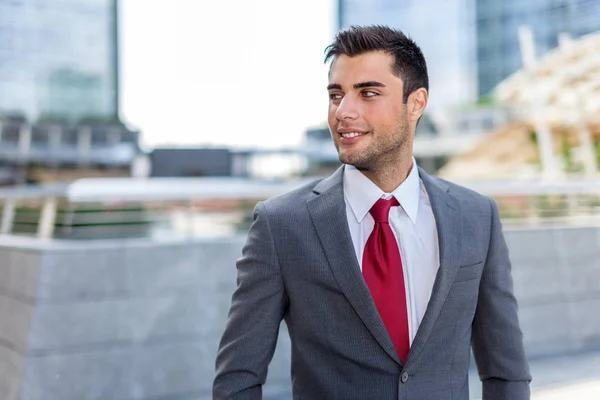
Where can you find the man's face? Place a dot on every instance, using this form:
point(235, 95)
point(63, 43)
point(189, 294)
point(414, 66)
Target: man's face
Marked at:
point(368, 119)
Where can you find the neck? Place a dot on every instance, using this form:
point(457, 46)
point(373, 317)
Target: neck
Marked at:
point(390, 175)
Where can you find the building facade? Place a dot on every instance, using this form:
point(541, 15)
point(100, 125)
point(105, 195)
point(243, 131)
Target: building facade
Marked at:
point(498, 22)
point(472, 45)
point(59, 88)
point(59, 59)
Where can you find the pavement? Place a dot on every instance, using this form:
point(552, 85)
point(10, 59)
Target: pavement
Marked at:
point(572, 377)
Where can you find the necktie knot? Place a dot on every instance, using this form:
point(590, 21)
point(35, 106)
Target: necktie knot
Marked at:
point(381, 209)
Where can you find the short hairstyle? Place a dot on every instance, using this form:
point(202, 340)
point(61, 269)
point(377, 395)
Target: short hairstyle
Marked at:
point(409, 62)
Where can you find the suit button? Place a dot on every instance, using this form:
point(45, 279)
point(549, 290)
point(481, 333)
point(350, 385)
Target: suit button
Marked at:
point(404, 377)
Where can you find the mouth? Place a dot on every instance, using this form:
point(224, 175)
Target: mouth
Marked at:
point(349, 137)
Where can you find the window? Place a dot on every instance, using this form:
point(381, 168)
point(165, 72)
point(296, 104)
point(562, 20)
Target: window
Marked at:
point(42, 46)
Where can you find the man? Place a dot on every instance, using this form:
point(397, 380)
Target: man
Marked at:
point(385, 276)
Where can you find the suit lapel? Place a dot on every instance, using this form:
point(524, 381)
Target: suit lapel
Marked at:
point(447, 213)
point(328, 213)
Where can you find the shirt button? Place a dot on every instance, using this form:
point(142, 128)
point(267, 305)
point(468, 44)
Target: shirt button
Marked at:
point(404, 377)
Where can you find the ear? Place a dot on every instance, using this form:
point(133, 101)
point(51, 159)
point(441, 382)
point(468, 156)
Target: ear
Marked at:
point(417, 101)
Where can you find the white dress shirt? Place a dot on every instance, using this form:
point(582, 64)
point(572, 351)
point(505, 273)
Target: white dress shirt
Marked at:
point(413, 224)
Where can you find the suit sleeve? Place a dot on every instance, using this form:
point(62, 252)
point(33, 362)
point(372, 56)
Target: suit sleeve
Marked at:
point(497, 340)
point(257, 308)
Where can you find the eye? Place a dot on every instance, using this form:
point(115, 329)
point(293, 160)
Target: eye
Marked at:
point(369, 93)
point(334, 96)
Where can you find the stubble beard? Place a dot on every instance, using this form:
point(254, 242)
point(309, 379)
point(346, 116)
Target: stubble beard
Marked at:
point(379, 155)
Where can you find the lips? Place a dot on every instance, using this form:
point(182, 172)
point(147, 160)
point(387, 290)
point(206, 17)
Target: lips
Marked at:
point(350, 135)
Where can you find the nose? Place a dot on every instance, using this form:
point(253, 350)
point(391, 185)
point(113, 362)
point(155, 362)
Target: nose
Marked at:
point(347, 109)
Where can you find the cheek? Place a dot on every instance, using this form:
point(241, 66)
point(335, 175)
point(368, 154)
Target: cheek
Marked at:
point(381, 115)
point(332, 108)
point(331, 114)
point(375, 116)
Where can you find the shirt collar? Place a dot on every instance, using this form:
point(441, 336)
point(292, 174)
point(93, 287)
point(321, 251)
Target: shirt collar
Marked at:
point(361, 193)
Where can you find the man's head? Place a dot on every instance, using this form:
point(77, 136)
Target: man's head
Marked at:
point(378, 89)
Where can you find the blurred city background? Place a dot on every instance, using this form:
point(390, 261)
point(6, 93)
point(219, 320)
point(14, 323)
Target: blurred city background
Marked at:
point(136, 136)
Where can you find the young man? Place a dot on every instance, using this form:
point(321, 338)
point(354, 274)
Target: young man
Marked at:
point(385, 276)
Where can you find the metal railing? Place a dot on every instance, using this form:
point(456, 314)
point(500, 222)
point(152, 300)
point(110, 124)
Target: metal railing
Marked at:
point(149, 207)
point(126, 207)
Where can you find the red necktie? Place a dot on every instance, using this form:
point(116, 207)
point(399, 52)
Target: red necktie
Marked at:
point(382, 270)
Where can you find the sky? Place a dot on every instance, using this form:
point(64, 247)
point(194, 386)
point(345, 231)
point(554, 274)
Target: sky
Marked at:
point(234, 73)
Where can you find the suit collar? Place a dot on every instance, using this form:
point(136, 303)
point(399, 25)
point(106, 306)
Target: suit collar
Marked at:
point(335, 179)
point(330, 182)
point(435, 185)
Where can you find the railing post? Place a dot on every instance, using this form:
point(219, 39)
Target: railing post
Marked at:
point(533, 214)
point(8, 216)
point(572, 205)
point(47, 219)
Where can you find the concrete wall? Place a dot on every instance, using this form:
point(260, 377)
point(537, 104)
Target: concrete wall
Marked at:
point(140, 320)
point(117, 320)
point(557, 282)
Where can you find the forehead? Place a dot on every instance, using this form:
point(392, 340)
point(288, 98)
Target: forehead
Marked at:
point(364, 67)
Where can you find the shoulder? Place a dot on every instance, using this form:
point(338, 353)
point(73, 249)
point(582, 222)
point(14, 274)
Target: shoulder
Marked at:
point(290, 201)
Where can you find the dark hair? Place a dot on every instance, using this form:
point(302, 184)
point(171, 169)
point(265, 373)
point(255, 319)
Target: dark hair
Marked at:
point(409, 63)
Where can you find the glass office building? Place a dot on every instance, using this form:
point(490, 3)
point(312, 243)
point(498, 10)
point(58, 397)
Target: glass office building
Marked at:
point(498, 22)
point(445, 31)
point(472, 45)
point(58, 59)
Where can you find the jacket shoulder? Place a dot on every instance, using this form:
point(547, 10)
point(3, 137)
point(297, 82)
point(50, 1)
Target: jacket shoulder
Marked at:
point(295, 199)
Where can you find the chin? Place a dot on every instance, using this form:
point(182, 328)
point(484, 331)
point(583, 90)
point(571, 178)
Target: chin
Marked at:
point(346, 159)
point(360, 164)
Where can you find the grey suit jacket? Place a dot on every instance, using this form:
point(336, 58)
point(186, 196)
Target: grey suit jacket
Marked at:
point(299, 264)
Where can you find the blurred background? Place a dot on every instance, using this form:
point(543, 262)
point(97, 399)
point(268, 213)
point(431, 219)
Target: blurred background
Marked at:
point(137, 136)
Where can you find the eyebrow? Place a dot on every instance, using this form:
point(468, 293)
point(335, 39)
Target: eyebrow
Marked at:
point(360, 85)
